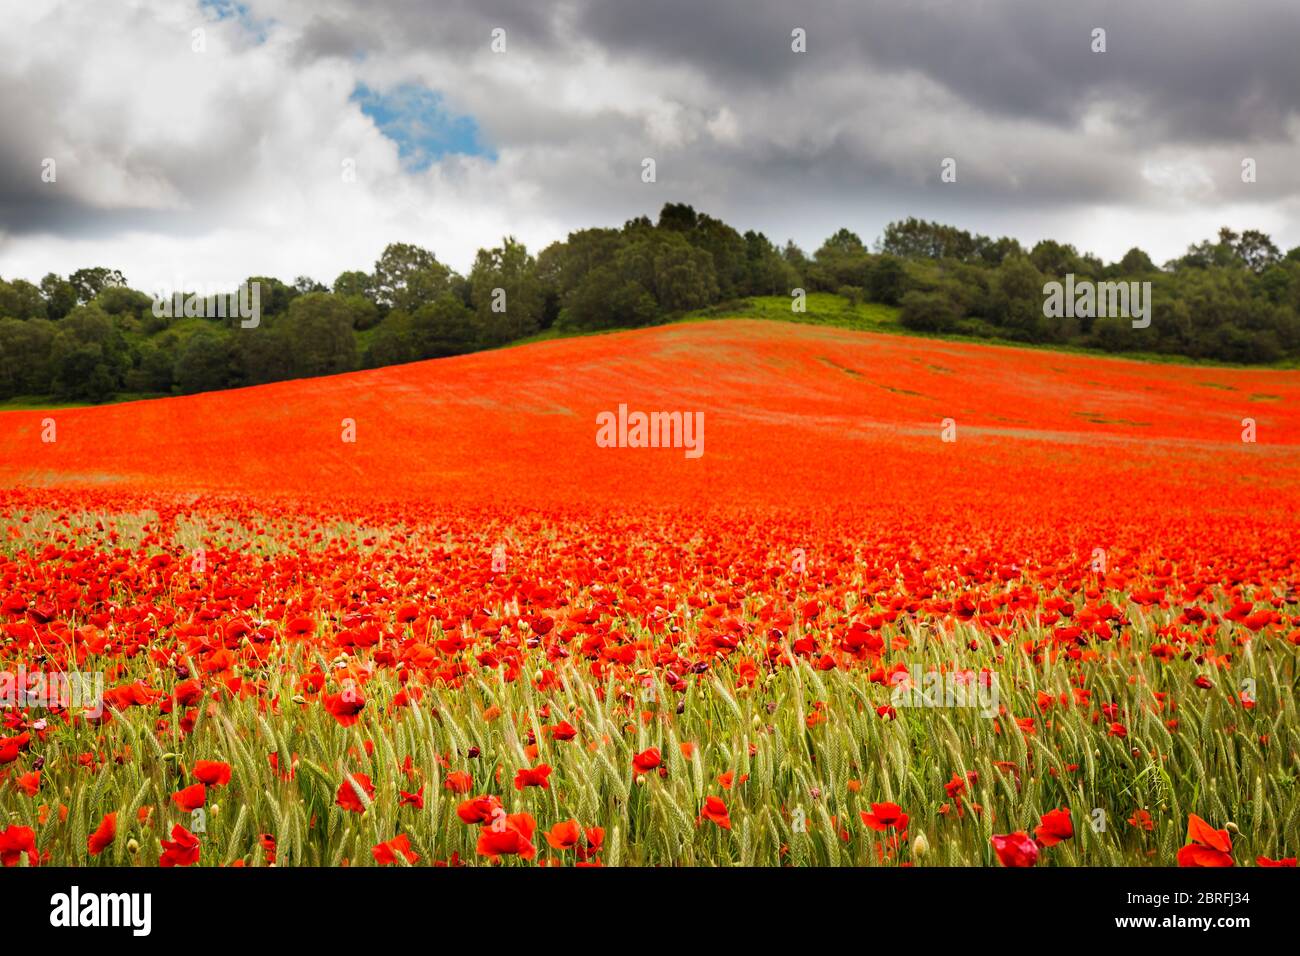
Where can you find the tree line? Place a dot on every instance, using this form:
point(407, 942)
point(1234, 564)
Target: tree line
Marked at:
point(90, 337)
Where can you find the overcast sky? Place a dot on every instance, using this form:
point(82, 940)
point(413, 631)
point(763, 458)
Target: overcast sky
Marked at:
point(185, 166)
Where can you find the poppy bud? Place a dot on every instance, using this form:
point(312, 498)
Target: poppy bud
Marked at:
point(920, 846)
point(1231, 828)
point(132, 847)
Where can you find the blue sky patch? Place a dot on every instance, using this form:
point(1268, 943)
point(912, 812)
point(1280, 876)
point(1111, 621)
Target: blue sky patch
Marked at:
point(415, 118)
point(239, 12)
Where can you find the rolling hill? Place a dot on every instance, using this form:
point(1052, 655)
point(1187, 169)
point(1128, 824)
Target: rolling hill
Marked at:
point(794, 416)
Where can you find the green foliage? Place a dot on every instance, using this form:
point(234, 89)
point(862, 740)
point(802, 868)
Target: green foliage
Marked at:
point(444, 327)
point(89, 337)
point(320, 335)
point(929, 312)
point(506, 293)
point(407, 277)
point(21, 300)
point(204, 363)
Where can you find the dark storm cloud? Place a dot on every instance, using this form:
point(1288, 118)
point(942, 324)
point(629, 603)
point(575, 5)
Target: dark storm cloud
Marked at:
point(1190, 71)
point(1046, 132)
point(324, 37)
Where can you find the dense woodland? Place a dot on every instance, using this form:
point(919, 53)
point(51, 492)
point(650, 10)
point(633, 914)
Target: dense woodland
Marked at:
point(90, 337)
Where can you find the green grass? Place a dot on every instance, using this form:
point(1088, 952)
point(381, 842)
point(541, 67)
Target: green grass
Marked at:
point(39, 402)
point(823, 308)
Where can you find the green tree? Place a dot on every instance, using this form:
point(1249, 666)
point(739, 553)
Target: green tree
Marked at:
point(88, 283)
point(444, 327)
point(678, 275)
point(928, 312)
point(60, 295)
point(1135, 263)
point(506, 293)
point(392, 342)
point(25, 356)
point(20, 299)
point(887, 280)
point(407, 277)
point(767, 272)
point(841, 260)
point(1257, 250)
point(205, 362)
point(353, 282)
point(83, 375)
point(319, 334)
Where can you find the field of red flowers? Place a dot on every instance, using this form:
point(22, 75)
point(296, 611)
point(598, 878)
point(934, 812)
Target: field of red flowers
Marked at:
point(918, 603)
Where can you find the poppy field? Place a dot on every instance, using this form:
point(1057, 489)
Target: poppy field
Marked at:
point(918, 603)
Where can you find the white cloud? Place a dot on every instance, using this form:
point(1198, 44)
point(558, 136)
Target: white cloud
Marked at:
point(227, 163)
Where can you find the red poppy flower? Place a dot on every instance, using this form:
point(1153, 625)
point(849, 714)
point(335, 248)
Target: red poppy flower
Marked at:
point(884, 816)
point(716, 810)
point(478, 810)
point(181, 850)
point(15, 841)
point(647, 761)
point(349, 799)
point(103, 836)
point(459, 781)
point(1265, 861)
point(1055, 827)
point(1015, 849)
point(534, 777)
point(564, 836)
point(1206, 846)
point(345, 706)
point(300, 626)
point(212, 773)
point(29, 783)
point(191, 798)
point(954, 787)
point(187, 693)
point(508, 836)
point(1142, 820)
point(416, 799)
point(386, 854)
point(562, 731)
point(728, 779)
